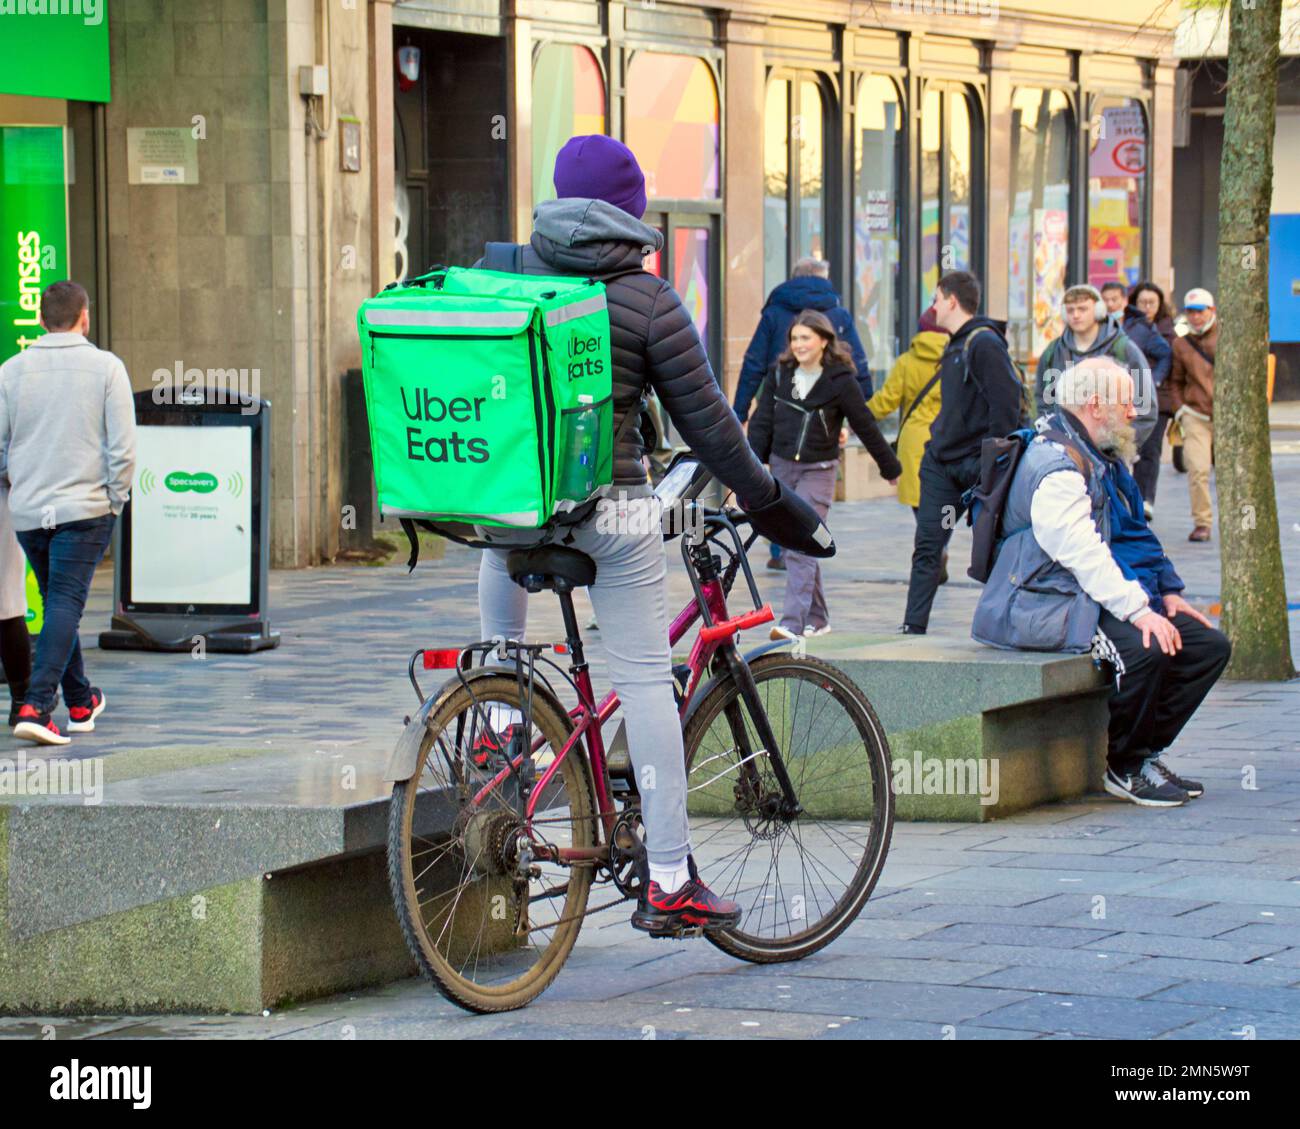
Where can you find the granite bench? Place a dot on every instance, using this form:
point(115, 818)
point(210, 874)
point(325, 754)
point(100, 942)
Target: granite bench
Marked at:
point(978, 733)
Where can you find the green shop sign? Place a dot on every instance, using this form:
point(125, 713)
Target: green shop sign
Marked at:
point(33, 228)
point(180, 481)
point(55, 49)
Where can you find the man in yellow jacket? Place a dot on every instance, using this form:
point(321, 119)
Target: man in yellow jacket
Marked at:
point(912, 390)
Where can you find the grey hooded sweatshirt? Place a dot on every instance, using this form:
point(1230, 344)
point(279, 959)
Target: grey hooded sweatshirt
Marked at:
point(1111, 342)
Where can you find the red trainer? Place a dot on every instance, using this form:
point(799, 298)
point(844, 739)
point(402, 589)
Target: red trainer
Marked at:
point(38, 727)
point(81, 719)
point(488, 743)
point(694, 906)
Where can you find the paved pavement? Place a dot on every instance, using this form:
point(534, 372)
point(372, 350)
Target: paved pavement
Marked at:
point(1093, 919)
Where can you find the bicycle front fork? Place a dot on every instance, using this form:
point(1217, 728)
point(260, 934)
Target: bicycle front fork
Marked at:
point(744, 678)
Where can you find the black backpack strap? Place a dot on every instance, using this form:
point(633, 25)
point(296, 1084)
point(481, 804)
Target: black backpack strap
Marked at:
point(1204, 355)
point(507, 258)
point(938, 371)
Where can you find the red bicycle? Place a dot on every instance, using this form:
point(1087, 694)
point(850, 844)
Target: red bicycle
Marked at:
point(507, 806)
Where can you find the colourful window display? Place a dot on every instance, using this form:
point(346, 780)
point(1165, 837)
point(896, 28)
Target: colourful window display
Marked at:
point(691, 274)
point(1117, 178)
point(672, 125)
point(568, 99)
point(794, 125)
point(948, 175)
point(776, 183)
point(1042, 140)
point(877, 154)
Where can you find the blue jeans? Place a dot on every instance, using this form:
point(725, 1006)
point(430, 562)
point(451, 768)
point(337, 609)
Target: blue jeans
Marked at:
point(64, 560)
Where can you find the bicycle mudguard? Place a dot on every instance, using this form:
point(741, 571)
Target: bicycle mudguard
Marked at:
point(406, 754)
point(702, 691)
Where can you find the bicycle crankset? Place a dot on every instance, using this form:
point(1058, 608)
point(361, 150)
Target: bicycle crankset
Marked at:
point(627, 858)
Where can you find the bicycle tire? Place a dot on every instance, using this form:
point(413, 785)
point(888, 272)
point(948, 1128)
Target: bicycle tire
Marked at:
point(746, 946)
point(556, 728)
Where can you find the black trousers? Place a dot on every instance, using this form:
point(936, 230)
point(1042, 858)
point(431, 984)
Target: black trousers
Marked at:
point(1155, 694)
point(1147, 468)
point(942, 485)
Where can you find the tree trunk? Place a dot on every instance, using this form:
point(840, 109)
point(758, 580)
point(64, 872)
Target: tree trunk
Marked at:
point(1253, 585)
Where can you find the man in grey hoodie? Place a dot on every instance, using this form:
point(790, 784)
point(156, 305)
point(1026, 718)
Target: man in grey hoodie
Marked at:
point(1090, 332)
point(67, 450)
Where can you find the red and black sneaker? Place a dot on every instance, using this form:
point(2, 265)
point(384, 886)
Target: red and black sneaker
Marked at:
point(81, 719)
point(688, 910)
point(490, 747)
point(39, 727)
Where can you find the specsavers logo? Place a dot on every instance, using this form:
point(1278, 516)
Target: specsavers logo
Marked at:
point(90, 11)
point(179, 481)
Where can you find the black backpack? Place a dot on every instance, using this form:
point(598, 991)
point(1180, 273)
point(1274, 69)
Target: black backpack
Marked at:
point(986, 501)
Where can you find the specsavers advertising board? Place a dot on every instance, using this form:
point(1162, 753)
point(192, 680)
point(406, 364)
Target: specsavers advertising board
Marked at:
point(191, 516)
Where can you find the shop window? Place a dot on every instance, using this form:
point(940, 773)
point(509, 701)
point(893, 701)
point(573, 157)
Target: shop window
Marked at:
point(877, 176)
point(950, 170)
point(673, 128)
point(672, 125)
point(1042, 141)
point(1117, 186)
point(794, 175)
point(568, 100)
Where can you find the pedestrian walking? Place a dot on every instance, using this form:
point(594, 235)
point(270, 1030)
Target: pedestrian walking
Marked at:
point(808, 288)
point(802, 407)
point(15, 645)
point(1147, 302)
point(1191, 396)
point(981, 395)
point(67, 451)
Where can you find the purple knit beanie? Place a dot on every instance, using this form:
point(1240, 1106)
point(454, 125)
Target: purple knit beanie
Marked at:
point(597, 167)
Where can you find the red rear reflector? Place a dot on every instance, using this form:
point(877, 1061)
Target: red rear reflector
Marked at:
point(441, 660)
point(561, 648)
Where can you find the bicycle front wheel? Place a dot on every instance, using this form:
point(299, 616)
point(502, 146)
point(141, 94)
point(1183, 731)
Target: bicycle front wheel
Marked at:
point(800, 880)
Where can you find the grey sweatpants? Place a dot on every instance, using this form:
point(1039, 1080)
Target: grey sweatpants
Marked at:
point(805, 600)
point(631, 608)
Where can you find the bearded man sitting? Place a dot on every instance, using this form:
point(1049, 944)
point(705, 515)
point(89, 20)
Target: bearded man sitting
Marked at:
point(1078, 561)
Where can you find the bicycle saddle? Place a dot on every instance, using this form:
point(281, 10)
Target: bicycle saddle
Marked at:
point(541, 567)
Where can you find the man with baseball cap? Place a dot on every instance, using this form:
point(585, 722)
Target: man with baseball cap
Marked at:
point(1191, 391)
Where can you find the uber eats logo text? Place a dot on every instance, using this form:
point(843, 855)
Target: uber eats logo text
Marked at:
point(439, 446)
point(582, 359)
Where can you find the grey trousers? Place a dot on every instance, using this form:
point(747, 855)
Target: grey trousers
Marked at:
point(805, 601)
point(630, 602)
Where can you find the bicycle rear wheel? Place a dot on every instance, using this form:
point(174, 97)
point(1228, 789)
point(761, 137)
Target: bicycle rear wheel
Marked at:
point(800, 881)
point(492, 929)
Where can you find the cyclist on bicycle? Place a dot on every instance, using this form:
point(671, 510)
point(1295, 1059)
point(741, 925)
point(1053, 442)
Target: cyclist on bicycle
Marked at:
point(595, 230)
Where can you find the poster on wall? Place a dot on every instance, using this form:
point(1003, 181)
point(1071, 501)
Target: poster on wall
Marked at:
point(33, 228)
point(1119, 149)
point(875, 255)
point(1051, 247)
point(191, 522)
point(929, 249)
point(1018, 267)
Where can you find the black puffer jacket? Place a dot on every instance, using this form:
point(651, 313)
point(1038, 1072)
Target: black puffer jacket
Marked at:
point(653, 342)
point(808, 430)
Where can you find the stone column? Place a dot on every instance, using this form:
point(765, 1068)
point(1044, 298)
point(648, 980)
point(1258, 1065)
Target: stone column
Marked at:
point(382, 221)
point(519, 137)
point(742, 219)
point(1160, 173)
point(999, 185)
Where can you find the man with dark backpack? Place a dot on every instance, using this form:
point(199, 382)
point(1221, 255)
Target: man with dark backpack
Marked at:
point(1077, 568)
point(981, 395)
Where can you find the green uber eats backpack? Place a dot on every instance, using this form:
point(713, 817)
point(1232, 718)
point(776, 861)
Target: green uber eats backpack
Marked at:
point(490, 398)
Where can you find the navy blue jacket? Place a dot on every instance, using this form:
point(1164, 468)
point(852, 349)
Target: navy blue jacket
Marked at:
point(807, 292)
point(1149, 339)
point(1134, 546)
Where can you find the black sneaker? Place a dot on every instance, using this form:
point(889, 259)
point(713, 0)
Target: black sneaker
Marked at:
point(1193, 788)
point(1147, 787)
point(908, 629)
point(689, 910)
point(776, 563)
point(490, 748)
point(38, 727)
point(81, 719)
